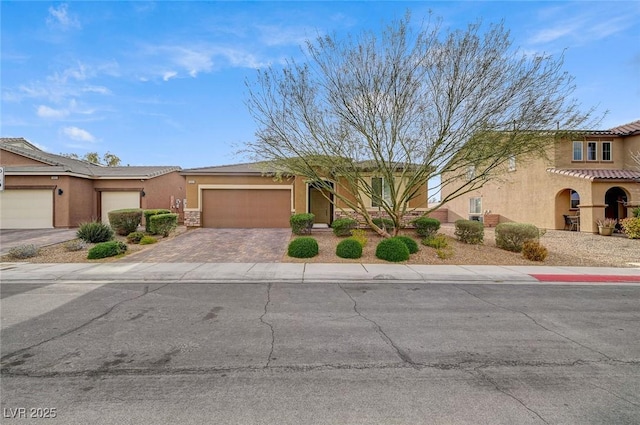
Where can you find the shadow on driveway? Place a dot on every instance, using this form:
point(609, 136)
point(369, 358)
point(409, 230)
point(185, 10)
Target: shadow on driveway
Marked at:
point(218, 246)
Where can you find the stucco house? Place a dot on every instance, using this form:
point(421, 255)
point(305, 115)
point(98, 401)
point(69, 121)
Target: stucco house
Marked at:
point(43, 190)
point(587, 178)
point(244, 196)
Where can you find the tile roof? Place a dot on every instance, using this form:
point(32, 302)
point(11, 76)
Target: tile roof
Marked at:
point(63, 164)
point(627, 129)
point(599, 174)
point(245, 168)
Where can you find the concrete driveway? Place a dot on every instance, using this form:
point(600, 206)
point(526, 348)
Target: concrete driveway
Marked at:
point(10, 238)
point(218, 246)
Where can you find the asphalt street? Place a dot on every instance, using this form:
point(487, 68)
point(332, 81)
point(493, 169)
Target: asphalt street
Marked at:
point(327, 353)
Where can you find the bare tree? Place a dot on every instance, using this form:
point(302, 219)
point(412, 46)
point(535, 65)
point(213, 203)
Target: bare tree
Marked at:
point(408, 106)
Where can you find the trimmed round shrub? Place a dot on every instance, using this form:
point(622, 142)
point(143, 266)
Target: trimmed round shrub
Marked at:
point(349, 248)
point(511, 236)
point(149, 213)
point(134, 237)
point(392, 249)
point(148, 240)
point(343, 226)
point(23, 251)
point(125, 221)
point(631, 227)
point(411, 244)
point(387, 223)
point(163, 224)
point(107, 249)
point(533, 251)
point(301, 224)
point(469, 231)
point(95, 232)
point(304, 247)
point(426, 226)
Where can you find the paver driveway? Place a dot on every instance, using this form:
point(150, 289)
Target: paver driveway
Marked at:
point(218, 246)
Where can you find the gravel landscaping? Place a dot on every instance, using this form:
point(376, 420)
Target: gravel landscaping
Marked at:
point(565, 249)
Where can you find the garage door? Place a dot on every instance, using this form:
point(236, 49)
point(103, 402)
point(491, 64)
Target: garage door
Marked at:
point(26, 209)
point(118, 201)
point(246, 208)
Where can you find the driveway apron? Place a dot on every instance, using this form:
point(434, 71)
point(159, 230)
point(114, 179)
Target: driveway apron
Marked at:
point(218, 246)
point(10, 238)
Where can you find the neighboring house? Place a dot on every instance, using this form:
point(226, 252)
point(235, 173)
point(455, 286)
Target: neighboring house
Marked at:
point(44, 190)
point(244, 196)
point(593, 177)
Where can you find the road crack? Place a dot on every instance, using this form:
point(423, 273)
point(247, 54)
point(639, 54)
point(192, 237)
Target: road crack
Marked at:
point(145, 291)
point(400, 353)
point(537, 323)
point(273, 335)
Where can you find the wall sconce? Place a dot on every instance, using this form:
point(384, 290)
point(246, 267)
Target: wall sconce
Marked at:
point(142, 193)
point(60, 191)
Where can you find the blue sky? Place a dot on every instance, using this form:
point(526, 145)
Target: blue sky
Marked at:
point(163, 83)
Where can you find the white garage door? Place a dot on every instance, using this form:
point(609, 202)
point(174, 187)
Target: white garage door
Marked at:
point(118, 201)
point(26, 209)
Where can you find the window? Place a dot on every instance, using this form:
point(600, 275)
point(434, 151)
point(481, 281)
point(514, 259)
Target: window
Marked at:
point(606, 151)
point(471, 172)
point(475, 205)
point(575, 200)
point(592, 151)
point(577, 151)
point(512, 163)
point(380, 191)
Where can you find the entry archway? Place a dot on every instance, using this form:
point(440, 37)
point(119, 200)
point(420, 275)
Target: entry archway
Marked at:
point(616, 199)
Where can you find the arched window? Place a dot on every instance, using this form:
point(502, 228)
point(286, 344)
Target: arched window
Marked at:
point(575, 200)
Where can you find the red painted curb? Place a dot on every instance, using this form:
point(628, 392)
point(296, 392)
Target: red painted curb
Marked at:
point(584, 278)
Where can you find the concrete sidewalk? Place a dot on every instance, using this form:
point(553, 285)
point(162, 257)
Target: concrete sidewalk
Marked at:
point(311, 273)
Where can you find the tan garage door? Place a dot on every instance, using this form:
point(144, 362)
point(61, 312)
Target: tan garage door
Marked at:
point(118, 201)
point(246, 208)
point(26, 209)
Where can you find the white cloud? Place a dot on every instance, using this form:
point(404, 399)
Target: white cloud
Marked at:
point(60, 17)
point(166, 76)
point(47, 112)
point(78, 134)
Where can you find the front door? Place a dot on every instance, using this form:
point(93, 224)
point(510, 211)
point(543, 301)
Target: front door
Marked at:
point(319, 206)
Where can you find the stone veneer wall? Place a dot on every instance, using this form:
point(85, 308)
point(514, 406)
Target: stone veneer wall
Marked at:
point(440, 214)
point(192, 219)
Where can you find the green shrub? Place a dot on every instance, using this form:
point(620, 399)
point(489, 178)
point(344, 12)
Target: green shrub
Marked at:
point(359, 235)
point(392, 249)
point(533, 251)
point(636, 212)
point(95, 232)
point(426, 226)
point(149, 213)
point(23, 251)
point(125, 221)
point(469, 231)
point(511, 236)
point(304, 247)
point(438, 241)
point(75, 245)
point(107, 249)
point(349, 248)
point(343, 226)
point(148, 240)
point(301, 224)
point(387, 223)
point(134, 237)
point(411, 244)
point(631, 227)
point(163, 224)
point(444, 252)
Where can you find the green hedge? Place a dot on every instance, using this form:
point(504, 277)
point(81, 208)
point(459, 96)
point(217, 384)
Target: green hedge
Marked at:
point(426, 226)
point(392, 249)
point(387, 223)
point(149, 213)
point(107, 249)
point(301, 224)
point(125, 221)
point(304, 247)
point(343, 226)
point(349, 248)
point(512, 236)
point(469, 231)
point(411, 244)
point(162, 224)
